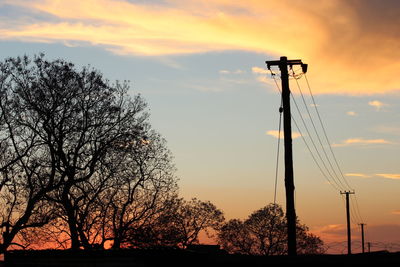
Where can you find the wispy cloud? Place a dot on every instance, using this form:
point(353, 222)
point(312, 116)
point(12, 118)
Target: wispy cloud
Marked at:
point(378, 105)
point(259, 70)
point(173, 27)
point(351, 113)
point(393, 130)
point(394, 176)
point(362, 141)
point(361, 175)
point(238, 71)
point(261, 76)
point(224, 72)
point(396, 212)
point(276, 134)
point(337, 233)
point(207, 88)
point(331, 232)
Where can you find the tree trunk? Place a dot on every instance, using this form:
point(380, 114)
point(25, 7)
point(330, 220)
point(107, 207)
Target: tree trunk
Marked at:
point(85, 242)
point(117, 240)
point(71, 219)
point(75, 243)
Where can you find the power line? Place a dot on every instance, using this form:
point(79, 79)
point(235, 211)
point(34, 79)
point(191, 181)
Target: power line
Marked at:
point(313, 157)
point(357, 209)
point(336, 186)
point(323, 128)
point(315, 147)
point(318, 137)
point(339, 181)
point(356, 206)
point(354, 218)
point(277, 153)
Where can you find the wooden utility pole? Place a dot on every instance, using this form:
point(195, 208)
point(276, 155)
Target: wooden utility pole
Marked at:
point(362, 237)
point(283, 65)
point(347, 193)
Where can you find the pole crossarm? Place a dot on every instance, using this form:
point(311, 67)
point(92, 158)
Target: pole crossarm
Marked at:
point(347, 192)
point(282, 63)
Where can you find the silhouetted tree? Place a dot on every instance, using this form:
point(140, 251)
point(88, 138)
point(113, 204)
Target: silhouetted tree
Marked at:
point(26, 173)
point(264, 233)
point(137, 183)
point(59, 126)
point(234, 237)
point(144, 186)
point(179, 224)
point(308, 243)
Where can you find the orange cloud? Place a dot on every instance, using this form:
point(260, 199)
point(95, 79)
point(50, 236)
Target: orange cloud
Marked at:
point(334, 237)
point(276, 134)
point(377, 104)
point(389, 175)
point(361, 141)
point(331, 233)
point(259, 70)
point(366, 141)
point(361, 175)
point(341, 40)
point(351, 113)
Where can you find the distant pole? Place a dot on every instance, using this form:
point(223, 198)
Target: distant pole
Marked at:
point(283, 64)
point(362, 237)
point(369, 247)
point(347, 193)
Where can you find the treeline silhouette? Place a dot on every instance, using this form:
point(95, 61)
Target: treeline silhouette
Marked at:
point(264, 233)
point(341, 247)
point(82, 168)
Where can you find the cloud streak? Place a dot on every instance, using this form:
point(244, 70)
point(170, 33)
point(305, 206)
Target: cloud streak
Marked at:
point(362, 141)
point(394, 176)
point(276, 134)
point(344, 37)
point(378, 232)
point(259, 70)
point(351, 113)
point(360, 175)
point(377, 104)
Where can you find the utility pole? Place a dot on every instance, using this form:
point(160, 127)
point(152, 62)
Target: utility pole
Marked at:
point(369, 247)
point(362, 237)
point(283, 65)
point(347, 193)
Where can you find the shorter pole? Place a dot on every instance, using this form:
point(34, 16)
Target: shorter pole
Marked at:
point(362, 237)
point(347, 193)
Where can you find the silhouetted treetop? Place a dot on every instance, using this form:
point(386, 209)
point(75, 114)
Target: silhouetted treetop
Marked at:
point(264, 232)
point(63, 133)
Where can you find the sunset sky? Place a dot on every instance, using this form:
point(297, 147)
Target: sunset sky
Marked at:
point(200, 64)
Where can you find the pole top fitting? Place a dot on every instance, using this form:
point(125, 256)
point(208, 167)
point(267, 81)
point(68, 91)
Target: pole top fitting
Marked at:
point(304, 67)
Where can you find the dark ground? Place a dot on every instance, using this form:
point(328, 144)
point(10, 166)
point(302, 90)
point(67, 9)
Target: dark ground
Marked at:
point(175, 257)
